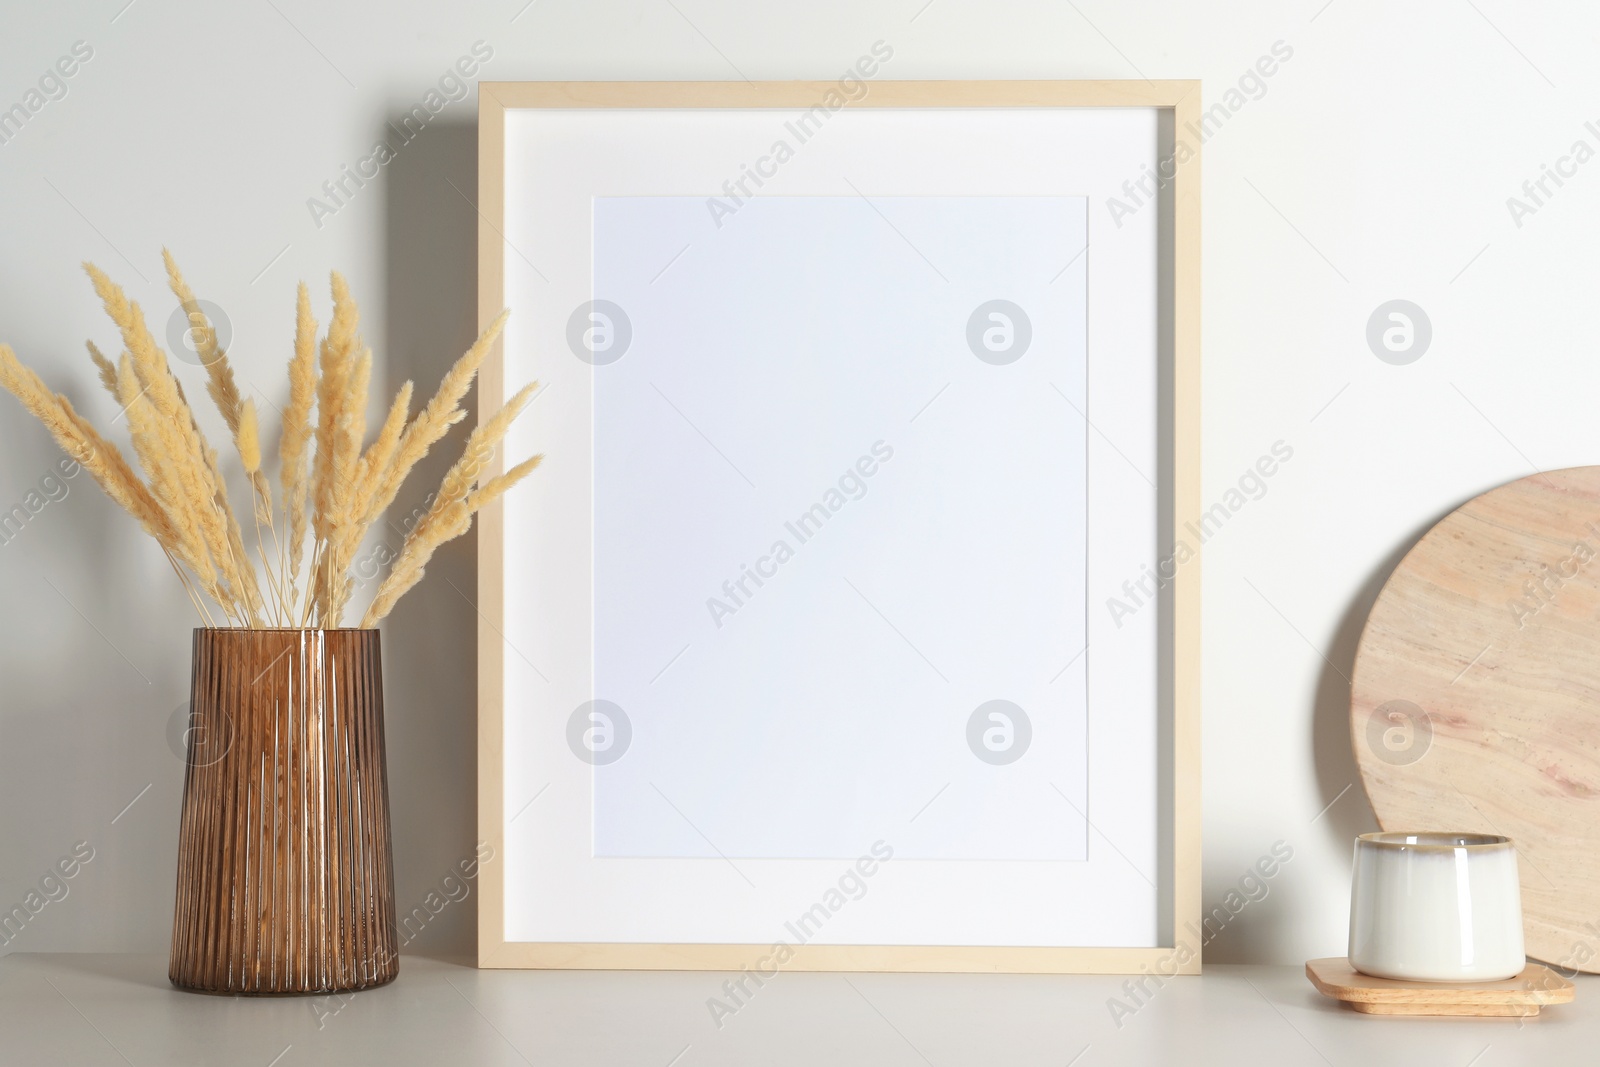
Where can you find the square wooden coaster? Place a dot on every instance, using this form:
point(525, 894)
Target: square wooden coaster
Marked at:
point(1518, 997)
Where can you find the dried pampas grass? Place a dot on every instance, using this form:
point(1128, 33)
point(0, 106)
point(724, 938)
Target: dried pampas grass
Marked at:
point(331, 496)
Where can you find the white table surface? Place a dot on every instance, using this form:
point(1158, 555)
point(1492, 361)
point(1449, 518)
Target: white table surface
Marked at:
point(87, 1010)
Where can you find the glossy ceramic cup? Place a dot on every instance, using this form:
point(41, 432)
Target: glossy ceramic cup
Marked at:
point(1436, 907)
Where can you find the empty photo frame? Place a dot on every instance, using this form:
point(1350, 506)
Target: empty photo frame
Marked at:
point(847, 624)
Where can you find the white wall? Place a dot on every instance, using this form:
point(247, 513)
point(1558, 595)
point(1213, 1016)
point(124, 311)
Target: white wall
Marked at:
point(1376, 165)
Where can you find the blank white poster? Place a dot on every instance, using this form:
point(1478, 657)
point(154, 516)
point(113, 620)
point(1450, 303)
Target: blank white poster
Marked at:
point(817, 587)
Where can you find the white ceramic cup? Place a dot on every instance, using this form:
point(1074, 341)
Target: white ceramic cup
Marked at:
point(1436, 907)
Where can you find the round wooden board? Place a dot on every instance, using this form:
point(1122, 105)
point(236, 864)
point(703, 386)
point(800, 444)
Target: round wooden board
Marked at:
point(1475, 702)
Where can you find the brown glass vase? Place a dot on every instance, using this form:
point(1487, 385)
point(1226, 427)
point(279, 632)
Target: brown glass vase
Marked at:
point(285, 875)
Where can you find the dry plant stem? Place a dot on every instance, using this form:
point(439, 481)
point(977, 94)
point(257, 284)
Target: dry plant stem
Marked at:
point(463, 475)
point(242, 569)
point(214, 515)
point(106, 464)
point(409, 568)
point(332, 396)
point(308, 604)
point(296, 434)
point(99, 457)
point(153, 437)
point(495, 488)
point(224, 391)
point(107, 369)
point(434, 420)
point(331, 495)
point(247, 438)
point(188, 587)
point(239, 561)
point(454, 522)
point(351, 432)
point(371, 468)
point(448, 523)
point(375, 462)
point(191, 459)
point(329, 466)
point(263, 517)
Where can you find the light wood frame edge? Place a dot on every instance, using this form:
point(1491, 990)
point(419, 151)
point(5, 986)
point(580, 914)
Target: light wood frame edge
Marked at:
point(1183, 99)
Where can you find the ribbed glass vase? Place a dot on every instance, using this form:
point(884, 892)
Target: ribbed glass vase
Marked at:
point(285, 871)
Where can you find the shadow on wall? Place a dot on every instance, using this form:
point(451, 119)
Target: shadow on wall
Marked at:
point(430, 640)
point(1331, 737)
point(1348, 814)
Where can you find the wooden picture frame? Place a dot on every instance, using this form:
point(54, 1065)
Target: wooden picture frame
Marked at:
point(1177, 107)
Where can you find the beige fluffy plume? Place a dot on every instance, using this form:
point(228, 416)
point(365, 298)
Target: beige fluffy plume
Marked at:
point(292, 474)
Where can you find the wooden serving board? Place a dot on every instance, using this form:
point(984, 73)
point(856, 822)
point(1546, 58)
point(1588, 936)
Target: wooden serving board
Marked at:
point(1475, 701)
point(1518, 997)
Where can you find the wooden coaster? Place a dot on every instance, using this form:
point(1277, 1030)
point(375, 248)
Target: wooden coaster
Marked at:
point(1519, 997)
